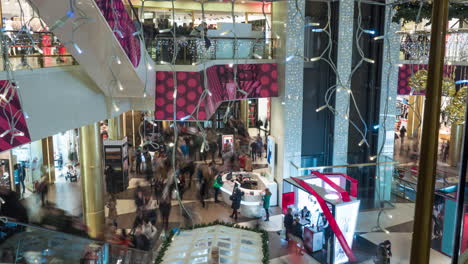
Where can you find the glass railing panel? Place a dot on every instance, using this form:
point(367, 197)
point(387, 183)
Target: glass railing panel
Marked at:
point(24, 243)
point(42, 50)
point(192, 50)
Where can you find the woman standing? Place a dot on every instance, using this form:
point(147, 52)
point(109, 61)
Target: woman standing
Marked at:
point(236, 199)
point(266, 203)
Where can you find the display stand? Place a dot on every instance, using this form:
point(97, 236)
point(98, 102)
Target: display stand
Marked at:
point(333, 212)
point(116, 155)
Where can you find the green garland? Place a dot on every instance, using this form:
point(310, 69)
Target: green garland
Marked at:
point(264, 234)
point(409, 11)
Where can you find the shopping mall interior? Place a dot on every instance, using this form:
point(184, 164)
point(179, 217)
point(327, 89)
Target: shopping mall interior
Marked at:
point(206, 131)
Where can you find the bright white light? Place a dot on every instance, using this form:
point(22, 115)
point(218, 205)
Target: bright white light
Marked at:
point(346, 117)
point(144, 94)
point(185, 118)
point(116, 107)
point(389, 98)
point(349, 91)
point(257, 56)
point(120, 86)
point(312, 24)
point(149, 66)
point(230, 65)
point(362, 142)
point(369, 60)
point(225, 33)
point(25, 115)
point(208, 92)
point(283, 103)
point(165, 30)
point(400, 65)
point(77, 48)
point(117, 60)
point(332, 196)
point(164, 62)
point(289, 58)
point(373, 157)
point(4, 133)
point(379, 37)
point(174, 95)
point(119, 33)
point(320, 108)
point(369, 31)
point(461, 81)
point(171, 145)
point(19, 134)
point(390, 216)
point(317, 30)
point(315, 59)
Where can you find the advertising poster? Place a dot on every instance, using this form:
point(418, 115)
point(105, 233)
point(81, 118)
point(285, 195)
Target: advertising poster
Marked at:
point(271, 156)
point(346, 217)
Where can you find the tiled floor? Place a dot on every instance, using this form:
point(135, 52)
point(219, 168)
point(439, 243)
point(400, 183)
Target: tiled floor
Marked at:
point(397, 220)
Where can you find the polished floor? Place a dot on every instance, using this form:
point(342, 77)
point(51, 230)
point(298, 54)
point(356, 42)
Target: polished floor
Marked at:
point(396, 221)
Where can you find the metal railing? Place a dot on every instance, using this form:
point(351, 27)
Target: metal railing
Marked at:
point(192, 50)
point(415, 46)
point(42, 50)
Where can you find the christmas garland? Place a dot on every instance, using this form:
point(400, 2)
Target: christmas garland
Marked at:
point(264, 234)
point(407, 12)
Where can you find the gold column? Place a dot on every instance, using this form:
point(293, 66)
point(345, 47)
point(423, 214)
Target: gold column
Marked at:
point(48, 158)
point(456, 134)
point(133, 129)
point(421, 242)
point(92, 179)
point(166, 124)
point(124, 124)
point(115, 128)
point(244, 112)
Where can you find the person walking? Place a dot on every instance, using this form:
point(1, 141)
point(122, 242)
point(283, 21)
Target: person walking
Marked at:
point(288, 223)
point(218, 183)
point(402, 135)
point(138, 161)
point(203, 190)
point(236, 199)
point(165, 209)
point(266, 203)
point(253, 150)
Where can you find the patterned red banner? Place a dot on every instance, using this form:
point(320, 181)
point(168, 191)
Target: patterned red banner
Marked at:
point(257, 80)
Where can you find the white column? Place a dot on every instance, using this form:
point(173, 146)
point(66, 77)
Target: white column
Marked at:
point(344, 64)
point(387, 111)
point(286, 110)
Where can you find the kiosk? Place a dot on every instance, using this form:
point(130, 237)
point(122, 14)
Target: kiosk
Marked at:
point(253, 186)
point(333, 212)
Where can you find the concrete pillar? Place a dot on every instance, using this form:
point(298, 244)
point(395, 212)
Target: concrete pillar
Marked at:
point(92, 179)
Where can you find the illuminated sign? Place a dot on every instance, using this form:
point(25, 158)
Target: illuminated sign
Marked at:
point(346, 217)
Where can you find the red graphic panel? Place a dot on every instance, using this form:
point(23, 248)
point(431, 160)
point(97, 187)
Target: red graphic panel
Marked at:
point(13, 128)
point(257, 80)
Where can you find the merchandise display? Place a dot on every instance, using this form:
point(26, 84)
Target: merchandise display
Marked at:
point(215, 244)
point(253, 186)
point(326, 212)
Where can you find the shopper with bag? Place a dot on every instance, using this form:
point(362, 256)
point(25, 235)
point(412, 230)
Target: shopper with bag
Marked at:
point(266, 203)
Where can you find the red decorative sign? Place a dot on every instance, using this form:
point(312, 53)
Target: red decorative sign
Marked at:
point(256, 80)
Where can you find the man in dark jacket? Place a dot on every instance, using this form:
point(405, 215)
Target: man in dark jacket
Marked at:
point(288, 223)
